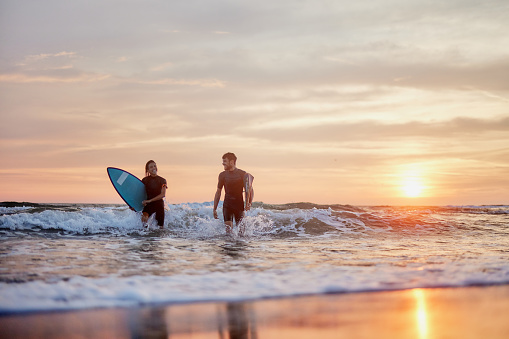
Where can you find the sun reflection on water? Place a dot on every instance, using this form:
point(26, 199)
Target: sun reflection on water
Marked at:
point(421, 314)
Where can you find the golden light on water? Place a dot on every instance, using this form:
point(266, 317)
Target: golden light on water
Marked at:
point(421, 314)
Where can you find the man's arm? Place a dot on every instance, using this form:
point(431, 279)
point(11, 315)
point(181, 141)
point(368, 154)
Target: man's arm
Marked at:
point(249, 199)
point(217, 197)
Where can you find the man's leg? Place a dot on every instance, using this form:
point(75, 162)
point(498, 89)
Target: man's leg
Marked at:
point(229, 227)
point(228, 219)
point(239, 215)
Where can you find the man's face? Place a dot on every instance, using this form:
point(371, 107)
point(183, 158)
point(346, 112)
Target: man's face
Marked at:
point(227, 164)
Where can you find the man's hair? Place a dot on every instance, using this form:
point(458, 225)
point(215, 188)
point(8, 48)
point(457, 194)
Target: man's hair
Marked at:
point(230, 156)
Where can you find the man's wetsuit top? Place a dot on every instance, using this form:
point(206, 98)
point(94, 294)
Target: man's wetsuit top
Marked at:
point(153, 187)
point(233, 182)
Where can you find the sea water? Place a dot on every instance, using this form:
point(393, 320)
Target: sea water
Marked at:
point(64, 257)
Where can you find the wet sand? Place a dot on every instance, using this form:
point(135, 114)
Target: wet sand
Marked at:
point(469, 312)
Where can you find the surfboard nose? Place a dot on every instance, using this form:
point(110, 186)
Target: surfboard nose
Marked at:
point(129, 187)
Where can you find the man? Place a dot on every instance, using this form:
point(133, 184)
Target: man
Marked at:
point(233, 180)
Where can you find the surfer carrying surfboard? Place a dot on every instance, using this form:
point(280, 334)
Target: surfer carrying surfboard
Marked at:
point(155, 186)
point(234, 181)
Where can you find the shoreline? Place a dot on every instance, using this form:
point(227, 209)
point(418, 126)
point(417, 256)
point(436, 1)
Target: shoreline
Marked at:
point(452, 312)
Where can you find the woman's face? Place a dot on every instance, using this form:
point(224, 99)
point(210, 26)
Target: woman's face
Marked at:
point(152, 168)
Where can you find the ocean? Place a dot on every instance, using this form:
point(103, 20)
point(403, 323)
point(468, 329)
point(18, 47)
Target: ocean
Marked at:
point(77, 256)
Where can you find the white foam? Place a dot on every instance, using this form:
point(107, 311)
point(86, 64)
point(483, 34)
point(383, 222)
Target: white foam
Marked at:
point(192, 220)
point(86, 221)
point(79, 292)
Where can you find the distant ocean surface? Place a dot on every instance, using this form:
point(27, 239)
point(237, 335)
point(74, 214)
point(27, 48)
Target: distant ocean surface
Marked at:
point(66, 257)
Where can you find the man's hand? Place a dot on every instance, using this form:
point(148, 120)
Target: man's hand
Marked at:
point(215, 215)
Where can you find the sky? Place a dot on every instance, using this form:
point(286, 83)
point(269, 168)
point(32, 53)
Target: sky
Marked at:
point(390, 102)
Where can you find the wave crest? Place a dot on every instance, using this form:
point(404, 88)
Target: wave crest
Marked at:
point(195, 220)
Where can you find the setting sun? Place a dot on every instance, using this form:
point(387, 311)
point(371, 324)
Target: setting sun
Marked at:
point(412, 188)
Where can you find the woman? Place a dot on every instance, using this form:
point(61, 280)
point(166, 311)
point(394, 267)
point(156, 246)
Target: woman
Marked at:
point(155, 186)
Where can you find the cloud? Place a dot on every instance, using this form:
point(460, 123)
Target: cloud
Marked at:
point(312, 131)
point(46, 55)
point(162, 67)
point(30, 59)
point(49, 68)
point(186, 82)
point(26, 78)
point(493, 95)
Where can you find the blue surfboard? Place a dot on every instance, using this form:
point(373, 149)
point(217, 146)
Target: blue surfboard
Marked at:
point(129, 187)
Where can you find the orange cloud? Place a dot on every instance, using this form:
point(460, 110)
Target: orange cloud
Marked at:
point(198, 82)
point(24, 78)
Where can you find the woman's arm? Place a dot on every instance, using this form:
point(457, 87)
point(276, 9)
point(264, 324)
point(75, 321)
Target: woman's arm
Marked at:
point(158, 197)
